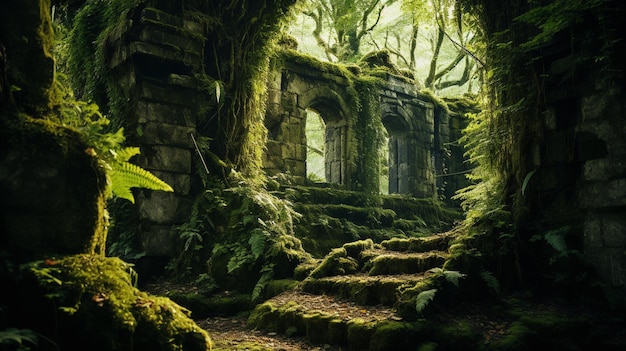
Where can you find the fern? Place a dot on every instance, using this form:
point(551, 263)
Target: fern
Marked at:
point(451, 276)
point(125, 175)
point(491, 281)
point(18, 339)
point(257, 242)
point(423, 299)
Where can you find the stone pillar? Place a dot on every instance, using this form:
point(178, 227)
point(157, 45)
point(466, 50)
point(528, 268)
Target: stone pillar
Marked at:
point(154, 59)
point(601, 148)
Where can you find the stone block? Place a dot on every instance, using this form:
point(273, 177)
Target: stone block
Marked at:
point(612, 265)
point(168, 94)
point(152, 111)
point(165, 158)
point(604, 169)
point(158, 240)
point(182, 80)
point(168, 39)
point(162, 207)
point(288, 151)
point(599, 195)
point(166, 134)
point(152, 15)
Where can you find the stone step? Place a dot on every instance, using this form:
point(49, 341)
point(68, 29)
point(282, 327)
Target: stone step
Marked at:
point(363, 289)
point(385, 262)
point(439, 242)
point(323, 319)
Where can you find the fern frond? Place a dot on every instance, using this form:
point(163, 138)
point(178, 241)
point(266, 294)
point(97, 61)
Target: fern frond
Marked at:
point(257, 242)
point(491, 281)
point(423, 299)
point(126, 153)
point(453, 276)
point(125, 175)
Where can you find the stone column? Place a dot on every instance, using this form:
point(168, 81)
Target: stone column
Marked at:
point(154, 60)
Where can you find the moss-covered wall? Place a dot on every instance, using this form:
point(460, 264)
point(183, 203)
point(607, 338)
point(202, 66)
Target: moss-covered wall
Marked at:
point(357, 108)
point(153, 59)
point(556, 133)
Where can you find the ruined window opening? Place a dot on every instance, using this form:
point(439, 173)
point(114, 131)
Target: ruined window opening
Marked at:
point(384, 164)
point(397, 146)
point(315, 145)
point(334, 142)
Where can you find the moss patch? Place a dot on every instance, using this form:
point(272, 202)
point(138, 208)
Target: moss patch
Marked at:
point(96, 307)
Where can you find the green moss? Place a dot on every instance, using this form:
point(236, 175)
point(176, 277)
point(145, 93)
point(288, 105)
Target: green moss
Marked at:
point(457, 335)
point(265, 316)
point(355, 248)
point(514, 340)
point(211, 306)
point(405, 263)
point(337, 262)
point(276, 287)
point(402, 335)
point(359, 334)
point(97, 306)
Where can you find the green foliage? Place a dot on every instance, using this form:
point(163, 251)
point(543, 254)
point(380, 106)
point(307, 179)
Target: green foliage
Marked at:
point(96, 299)
point(423, 299)
point(18, 339)
point(554, 17)
point(452, 277)
point(241, 231)
point(491, 281)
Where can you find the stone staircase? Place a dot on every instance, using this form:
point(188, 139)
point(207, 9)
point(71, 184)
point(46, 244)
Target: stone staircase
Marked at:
point(361, 294)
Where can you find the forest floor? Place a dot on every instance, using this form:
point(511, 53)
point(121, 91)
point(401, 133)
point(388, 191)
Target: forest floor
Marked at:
point(233, 332)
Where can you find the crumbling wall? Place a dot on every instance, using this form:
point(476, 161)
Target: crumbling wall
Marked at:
point(153, 58)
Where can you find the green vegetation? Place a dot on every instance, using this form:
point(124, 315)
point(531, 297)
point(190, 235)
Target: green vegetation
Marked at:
point(96, 295)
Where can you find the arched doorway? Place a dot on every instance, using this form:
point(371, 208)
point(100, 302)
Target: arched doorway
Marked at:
point(315, 130)
point(398, 154)
point(327, 124)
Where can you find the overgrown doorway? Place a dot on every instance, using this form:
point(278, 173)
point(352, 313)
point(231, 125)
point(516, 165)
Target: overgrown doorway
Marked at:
point(315, 130)
point(398, 157)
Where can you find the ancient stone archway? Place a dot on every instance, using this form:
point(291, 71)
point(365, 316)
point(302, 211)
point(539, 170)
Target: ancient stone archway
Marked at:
point(331, 107)
point(415, 139)
point(398, 141)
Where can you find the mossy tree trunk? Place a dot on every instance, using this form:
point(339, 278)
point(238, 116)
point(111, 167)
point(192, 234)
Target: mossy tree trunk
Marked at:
point(239, 41)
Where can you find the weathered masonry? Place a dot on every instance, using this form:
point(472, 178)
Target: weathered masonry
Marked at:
point(418, 131)
point(579, 176)
point(155, 55)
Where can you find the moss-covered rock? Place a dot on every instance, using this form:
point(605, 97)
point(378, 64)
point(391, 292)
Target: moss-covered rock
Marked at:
point(53, 200)
point(337, 262)
point(89, 302)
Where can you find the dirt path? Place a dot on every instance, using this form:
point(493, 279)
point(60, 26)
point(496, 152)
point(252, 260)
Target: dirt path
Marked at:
point(232, 333)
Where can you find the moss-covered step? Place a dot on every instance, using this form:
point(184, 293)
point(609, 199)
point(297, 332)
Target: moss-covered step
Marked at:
point(329, 320)
point(329, 195)
point(363, 289)
point(386, 262)
point(373, 217)
point(439, 242)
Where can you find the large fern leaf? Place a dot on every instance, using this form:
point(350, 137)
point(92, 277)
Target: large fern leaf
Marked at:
point(423, 299)
point(125, 175)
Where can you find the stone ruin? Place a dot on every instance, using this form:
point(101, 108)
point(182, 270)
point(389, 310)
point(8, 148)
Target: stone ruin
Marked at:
point(154, 55)
point(579, 173)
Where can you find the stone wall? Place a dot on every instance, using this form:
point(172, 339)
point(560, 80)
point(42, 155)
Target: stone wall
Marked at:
point(154, 58)
point(580, 169)
point(418, 129)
